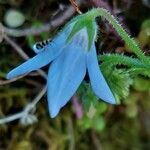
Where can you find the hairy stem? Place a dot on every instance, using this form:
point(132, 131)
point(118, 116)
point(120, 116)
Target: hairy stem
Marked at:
point(115, 59)
point(122, 33)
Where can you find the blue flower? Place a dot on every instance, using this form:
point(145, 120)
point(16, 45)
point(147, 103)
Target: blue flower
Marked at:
point(70, 62)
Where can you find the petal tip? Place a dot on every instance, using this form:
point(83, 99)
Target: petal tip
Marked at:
point(53, 114)
point(113, 101)
point(9, 76)
point(110, 99)
point(53, 111)
point(13, 74)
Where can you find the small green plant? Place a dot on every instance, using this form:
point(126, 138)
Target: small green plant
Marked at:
point(73, 51)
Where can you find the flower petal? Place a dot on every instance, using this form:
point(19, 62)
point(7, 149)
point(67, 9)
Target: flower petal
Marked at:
point(65, 75)
point(59, 39)
point(34, 63)
point(98, 82)
point(49, 53)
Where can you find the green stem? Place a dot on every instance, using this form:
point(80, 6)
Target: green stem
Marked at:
point(115, 59)
point(122, 33)
point(139, 71)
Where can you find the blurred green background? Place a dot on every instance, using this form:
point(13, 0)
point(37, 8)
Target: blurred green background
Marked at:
point(102, 126)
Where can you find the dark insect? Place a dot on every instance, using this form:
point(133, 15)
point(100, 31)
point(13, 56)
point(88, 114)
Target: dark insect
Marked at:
point(42, 44)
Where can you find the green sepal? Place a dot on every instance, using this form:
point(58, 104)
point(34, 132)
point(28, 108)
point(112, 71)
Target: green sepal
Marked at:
point(84, 22)
point(76, 28)
point(91, 31)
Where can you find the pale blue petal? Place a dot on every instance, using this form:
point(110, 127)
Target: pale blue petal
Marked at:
point(59, 40)
point(64, 77)
point(49, 53)
point(34, 63)
point(98, 82)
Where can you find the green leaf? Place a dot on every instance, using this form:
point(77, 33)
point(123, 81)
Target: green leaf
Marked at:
point(139, 71)
point(117, 59)
point(119, 81)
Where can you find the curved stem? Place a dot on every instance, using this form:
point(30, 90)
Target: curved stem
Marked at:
point(122, 33)
point(115, 59)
